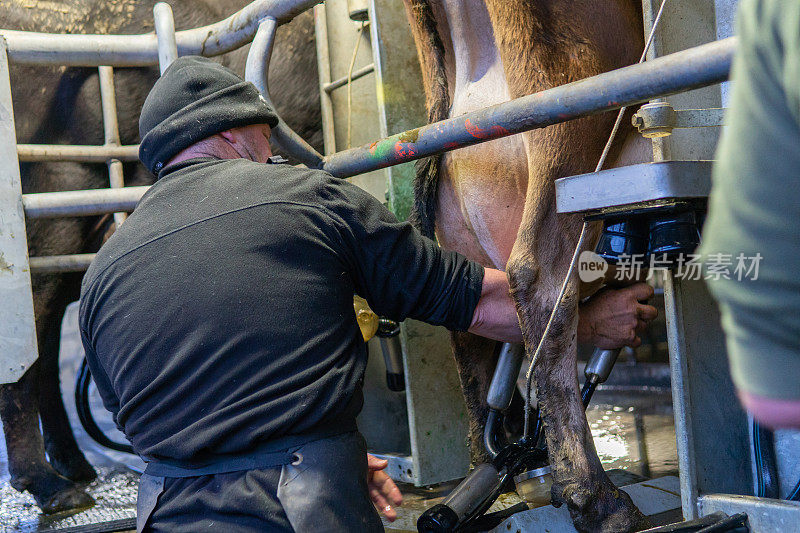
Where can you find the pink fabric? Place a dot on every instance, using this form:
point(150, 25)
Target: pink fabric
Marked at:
point(771, 412)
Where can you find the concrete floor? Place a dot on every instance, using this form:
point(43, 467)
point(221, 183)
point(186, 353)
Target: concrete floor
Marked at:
point(634, 434)
point(633, 430)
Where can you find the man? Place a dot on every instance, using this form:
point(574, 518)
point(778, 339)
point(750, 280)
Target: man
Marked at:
point(754, 210)
point(219, 327)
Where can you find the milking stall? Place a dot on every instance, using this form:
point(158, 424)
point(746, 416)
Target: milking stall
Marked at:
point(237, 347)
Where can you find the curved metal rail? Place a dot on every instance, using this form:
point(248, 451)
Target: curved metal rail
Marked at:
point(690, 69)
point(142, 50)
point(257, 71)
point(693, 68)
point(165, 35)
point(257, 21)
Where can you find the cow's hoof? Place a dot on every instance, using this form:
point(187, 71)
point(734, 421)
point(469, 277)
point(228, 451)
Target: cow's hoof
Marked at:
point(77, 469)
point(67, 499)
point(607, 510)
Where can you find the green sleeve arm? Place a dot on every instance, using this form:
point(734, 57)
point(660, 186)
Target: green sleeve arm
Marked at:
point(754, 207)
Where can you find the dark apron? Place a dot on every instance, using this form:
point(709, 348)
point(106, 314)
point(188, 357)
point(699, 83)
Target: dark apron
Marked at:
point(310, 464)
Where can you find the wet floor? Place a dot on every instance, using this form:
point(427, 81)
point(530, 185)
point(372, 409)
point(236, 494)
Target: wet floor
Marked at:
point(633, 430)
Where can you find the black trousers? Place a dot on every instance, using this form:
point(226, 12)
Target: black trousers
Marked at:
point(324, 490)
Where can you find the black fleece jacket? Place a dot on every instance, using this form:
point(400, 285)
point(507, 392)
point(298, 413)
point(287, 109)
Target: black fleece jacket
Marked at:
point(220, 315)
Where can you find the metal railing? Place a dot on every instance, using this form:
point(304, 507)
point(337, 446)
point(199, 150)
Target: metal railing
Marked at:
point(256, 70)
point(160, 48)
point(693, 68)
point(76, 153)
point(81, 203)
point(697, 67)
point(76, 203)
point(142, 50)
point(165, 35)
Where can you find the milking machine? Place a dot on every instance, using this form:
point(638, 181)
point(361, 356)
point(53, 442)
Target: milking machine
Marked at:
point(389, 335)
point(667, 230)
point(659, 234)
point(524, 462)
point(667, 233)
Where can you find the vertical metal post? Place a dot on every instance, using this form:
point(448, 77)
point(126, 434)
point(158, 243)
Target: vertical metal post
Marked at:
point(725, 11)
point(165, 32)
point(324, 70)
point(435, 404)
point(710, 426)
point(18, 349)
point(108, 101)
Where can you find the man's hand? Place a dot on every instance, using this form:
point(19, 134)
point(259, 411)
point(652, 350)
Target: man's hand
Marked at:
point(382, 490)
point(613, 317)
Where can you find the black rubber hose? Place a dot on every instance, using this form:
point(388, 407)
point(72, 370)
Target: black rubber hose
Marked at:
point(729, 523)
point(493, 438)
point(766, 465)
point(85, 412)
point(538, 431)
point(768, 485)
point(587, 392)
point(795, 494)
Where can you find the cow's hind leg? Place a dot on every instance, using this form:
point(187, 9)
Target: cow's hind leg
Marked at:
point(26, 460)
point(475, 358)
point(595, 504)
point(62, 449)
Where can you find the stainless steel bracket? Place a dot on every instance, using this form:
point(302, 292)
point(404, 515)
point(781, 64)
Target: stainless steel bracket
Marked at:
point(633, 186)
point(658, 119)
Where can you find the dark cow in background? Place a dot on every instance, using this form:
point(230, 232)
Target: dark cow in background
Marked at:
point(495, 202)
point(58, 105)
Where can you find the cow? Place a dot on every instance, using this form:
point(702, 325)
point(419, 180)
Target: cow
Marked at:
point(495, 202)
point(59, 105)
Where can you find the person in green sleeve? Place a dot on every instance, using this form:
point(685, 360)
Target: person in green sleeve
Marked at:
point(754, 213)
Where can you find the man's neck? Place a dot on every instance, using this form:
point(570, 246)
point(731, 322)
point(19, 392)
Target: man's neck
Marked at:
point(205, 149)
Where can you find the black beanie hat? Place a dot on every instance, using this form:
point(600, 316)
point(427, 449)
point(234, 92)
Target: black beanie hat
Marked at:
point(196, 98)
